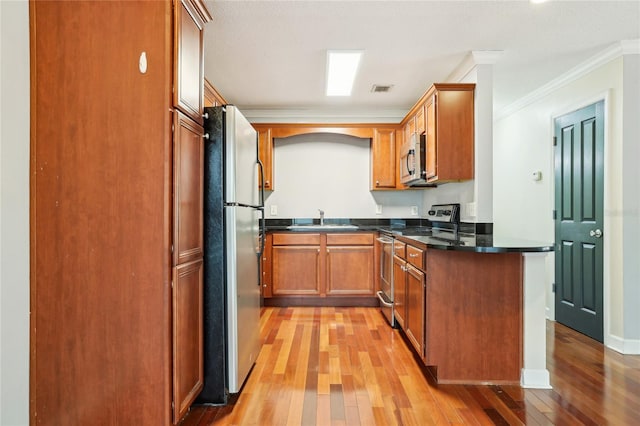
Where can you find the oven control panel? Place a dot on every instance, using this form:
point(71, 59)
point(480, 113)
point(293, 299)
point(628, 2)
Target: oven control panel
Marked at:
point(449, 213)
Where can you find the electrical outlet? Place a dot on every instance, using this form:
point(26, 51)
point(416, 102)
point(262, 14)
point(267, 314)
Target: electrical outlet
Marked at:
point(471, 209)
point(274, 210)
point(378, 208)
point(414, 210)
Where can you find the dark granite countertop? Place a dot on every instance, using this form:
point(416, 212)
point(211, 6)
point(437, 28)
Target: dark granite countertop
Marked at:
point(487, 243)
point(420, 232)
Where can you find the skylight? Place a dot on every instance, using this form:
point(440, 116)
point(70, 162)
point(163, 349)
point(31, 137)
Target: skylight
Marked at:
point(342, 66)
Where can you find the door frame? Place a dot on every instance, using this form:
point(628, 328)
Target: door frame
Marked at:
point(606, 225)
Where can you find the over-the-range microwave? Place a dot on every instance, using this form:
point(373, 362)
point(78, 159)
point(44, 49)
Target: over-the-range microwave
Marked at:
point(413, 156)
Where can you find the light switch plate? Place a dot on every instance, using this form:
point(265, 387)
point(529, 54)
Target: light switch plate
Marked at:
point(378, 208)
point(414, 210)
point(274, 210)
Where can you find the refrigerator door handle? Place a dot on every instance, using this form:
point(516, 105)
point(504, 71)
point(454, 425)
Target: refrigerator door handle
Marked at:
point(263, 232)
point(261, 182)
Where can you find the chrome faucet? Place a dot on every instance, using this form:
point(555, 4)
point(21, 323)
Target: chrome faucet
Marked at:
point(321, 217)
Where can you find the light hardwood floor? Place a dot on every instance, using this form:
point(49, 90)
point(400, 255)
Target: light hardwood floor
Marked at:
point(346, 366)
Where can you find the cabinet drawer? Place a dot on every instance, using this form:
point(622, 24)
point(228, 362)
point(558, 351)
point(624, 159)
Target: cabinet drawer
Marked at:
point(415, 256)
point(296, 239)
point(360, 239)
point(399, 249)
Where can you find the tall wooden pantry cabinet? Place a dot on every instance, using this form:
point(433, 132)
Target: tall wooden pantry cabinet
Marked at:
point(116, 211)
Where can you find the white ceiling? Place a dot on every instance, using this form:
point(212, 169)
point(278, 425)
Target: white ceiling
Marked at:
point(271, 55)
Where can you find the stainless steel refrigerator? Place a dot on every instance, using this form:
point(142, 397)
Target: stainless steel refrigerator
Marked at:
point(233, 207)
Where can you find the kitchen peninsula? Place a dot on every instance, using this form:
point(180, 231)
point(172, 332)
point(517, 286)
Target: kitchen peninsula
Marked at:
point(469, 310)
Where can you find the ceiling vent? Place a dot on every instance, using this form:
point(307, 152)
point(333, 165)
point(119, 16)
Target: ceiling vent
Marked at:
point(379, 88)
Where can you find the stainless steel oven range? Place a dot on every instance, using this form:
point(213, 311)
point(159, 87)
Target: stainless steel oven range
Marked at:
point(385, 292)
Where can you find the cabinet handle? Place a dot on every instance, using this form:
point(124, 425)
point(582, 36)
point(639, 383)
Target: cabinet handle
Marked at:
point(318, 250)
point(206, 136)
point(413, 255)
point(327, 250)
point(205, 115)
point(377, 183)
point(266, 183)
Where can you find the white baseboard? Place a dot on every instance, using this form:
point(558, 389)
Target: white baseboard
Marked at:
point(624, 346)
point(535, 379)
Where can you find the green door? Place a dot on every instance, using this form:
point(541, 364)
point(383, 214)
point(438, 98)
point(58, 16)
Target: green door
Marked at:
point(579, 185)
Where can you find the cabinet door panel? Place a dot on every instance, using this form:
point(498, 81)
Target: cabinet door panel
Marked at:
point(431, 164)
point(295, 270)
point(265, 154)
point(189, 72)
point(415, 304)
point(383, 161)
point(399, 290)
point(265, 265)
point(188, 164)
point(420, 129)
point(187, 336)
point(350, 270)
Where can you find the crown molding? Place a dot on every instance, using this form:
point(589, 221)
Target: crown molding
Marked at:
point(624, 47)
point(630, 47)
point(486, 57)
point(473, 59)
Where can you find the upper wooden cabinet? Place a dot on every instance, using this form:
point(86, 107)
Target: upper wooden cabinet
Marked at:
point(447, 112)
point(265, 154)
point(188, 77)
point(211, 96)
point(383, 147)
point(383, 159)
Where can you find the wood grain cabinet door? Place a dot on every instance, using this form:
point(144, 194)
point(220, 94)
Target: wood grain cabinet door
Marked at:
point(383, 159)
point(431, 140)
point(349, 270)
point(188, 180)
point(415, 305)
point(187, 336)
point(265, 154)
point(399, 290)
point(188, 53)
point(295, 270)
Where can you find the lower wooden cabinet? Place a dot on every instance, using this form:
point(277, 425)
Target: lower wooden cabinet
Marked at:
point(399, 289)
point(415, 308)
point(349, 270)
point(318, 264)
point(187, 336)
point(410, 295)
point(296, 270)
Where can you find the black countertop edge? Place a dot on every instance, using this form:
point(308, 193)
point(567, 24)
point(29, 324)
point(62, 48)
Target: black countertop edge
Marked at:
point(435, 236)
point(369, 224)
point(477, 243)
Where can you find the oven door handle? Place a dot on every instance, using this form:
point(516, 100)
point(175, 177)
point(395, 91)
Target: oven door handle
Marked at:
point(384, 240)
point(384, 302)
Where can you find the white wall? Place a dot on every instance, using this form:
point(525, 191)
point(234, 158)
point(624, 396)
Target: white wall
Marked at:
point(331, 172)
point(14, 213)
point(523, 207)
point(476, 196)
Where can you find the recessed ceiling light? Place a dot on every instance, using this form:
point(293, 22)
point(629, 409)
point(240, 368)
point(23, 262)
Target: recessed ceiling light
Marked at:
point(342, 66)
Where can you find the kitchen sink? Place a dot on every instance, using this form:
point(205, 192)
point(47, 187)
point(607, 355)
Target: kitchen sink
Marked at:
point(318, 227)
